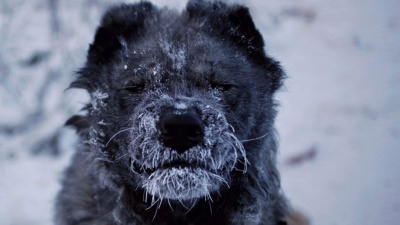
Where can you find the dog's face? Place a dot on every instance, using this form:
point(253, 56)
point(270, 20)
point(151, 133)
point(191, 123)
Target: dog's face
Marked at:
point(174, 96)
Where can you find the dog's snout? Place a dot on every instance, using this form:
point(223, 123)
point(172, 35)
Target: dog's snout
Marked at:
point(181, 131)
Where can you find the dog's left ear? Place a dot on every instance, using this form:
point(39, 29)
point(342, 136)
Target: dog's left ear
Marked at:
point(234, 23)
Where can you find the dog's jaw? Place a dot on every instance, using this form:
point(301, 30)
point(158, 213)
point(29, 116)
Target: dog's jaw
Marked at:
point(182, 183)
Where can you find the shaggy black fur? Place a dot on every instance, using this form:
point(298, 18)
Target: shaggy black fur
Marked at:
point(179, 130)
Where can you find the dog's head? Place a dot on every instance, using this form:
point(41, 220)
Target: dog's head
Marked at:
point(174, 96)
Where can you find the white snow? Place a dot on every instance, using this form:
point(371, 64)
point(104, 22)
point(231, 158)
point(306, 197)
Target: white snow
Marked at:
point(342, 98)
point(341, 101)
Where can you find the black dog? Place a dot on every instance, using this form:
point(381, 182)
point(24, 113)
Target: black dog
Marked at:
point(179, 129)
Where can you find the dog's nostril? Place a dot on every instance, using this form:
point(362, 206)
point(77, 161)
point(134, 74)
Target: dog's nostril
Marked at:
point(195, 135)
point(167, 133)
point(181, 132)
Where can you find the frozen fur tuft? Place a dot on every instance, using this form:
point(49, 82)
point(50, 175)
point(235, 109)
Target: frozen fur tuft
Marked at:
point(179, 129)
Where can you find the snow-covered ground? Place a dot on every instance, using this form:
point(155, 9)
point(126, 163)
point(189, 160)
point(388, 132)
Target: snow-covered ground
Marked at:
point(339, 119)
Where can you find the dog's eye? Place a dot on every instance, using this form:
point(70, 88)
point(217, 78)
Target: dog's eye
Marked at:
point(222, 87)
point(134, 88)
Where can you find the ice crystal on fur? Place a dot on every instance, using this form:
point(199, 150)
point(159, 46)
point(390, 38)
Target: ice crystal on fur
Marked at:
point(98, 100)
point(175, 53)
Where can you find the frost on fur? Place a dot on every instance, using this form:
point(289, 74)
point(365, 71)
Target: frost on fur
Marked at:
point(211, 161)
point(181, 112)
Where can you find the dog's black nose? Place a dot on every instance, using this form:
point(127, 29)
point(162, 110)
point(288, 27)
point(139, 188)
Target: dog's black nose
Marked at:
point(181, 132)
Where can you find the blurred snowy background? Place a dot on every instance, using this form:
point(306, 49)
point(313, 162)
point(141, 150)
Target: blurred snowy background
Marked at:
point(339, 120)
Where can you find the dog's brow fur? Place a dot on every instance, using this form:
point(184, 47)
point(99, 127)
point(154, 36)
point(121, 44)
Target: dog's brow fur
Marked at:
point(206, 65)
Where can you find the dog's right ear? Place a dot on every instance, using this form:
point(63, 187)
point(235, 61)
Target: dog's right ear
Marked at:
point(119, 23)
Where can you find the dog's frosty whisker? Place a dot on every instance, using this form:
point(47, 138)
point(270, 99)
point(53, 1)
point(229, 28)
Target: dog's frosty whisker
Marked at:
point(220, 179)
point(239, 146)
point(208, 196)
point(231, 127)
point(96, 160)
point(157, 208)
point(255, 139)
point(133, 142)
point(209, 205)
point(122, 156)
point(153, 202)
point(132, 167)
point(182, 204)
point(108, 142)
point(160, 202)
point(194, 203)
point(145, 196)
point(170, 206)
point(233, 158)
